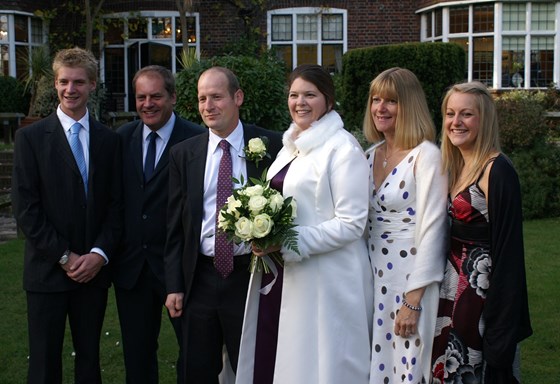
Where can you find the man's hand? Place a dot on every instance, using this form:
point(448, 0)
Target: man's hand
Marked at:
point(174, 304)
point(84, 268)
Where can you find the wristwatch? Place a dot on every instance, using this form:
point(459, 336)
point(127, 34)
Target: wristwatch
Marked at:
point(65, 256)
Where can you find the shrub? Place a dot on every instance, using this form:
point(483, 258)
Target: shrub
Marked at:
point(263, 81)
point(522, 123)
point(13, 95)
point(437, 66)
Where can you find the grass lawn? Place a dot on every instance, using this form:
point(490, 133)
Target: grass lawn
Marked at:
point(539, 359)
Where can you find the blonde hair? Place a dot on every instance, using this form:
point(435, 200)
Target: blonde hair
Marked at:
point(487, 141)
point(76, 58)
point(414, 123)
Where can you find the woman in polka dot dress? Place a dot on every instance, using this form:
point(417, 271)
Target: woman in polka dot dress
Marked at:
point(407, 227)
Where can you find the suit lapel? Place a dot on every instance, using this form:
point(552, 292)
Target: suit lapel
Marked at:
point(59, 142)
point(136, 152)
point(195, 165)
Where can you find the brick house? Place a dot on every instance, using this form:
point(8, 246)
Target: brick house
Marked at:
point(509, 43)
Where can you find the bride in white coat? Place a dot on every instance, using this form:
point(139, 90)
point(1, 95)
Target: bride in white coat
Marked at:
point(327, 296)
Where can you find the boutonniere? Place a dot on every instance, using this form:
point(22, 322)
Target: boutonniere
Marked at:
point(256, 149)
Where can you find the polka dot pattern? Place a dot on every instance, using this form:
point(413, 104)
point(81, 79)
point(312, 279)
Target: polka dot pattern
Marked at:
point(392, 218)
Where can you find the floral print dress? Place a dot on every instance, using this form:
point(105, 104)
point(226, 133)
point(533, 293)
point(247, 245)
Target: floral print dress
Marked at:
point(457, 351)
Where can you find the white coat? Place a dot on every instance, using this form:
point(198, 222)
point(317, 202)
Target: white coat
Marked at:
point(327, 297)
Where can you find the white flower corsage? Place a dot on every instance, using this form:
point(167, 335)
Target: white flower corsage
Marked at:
point(256, 149)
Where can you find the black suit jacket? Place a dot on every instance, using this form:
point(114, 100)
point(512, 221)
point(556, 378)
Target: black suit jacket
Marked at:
point(145, 204)
point(50, 205)
point(186, 183)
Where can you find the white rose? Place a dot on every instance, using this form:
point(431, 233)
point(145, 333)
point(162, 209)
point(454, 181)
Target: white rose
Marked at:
point(243, 228)
point(262, 225)
point(254, 190)
point(276, 202)
point(256, 145)
point(232, 205)
point(222, 222)
point(257, 204)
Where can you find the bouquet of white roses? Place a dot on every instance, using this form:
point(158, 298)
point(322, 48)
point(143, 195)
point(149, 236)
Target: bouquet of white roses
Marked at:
point(260, 214)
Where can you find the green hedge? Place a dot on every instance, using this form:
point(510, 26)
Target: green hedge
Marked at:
point(13, 95)
point(263, 81)
point(523, 136)
point(437, 66)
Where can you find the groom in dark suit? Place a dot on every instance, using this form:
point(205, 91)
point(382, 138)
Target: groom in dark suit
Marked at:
point(66, 194)
point(209, 298)
point(138, 268)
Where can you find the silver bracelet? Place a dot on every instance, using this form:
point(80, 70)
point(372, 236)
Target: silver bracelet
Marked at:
point(412, 307)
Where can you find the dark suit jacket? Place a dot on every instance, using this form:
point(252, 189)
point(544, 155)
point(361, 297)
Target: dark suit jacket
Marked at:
point(50, 205)
point(186, 182)
point(145, 205)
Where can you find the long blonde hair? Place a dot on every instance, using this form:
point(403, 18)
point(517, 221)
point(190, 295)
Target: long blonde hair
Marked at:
point(487, 141)
point(414, 123)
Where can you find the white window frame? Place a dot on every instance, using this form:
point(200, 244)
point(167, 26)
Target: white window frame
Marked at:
point(294, 12)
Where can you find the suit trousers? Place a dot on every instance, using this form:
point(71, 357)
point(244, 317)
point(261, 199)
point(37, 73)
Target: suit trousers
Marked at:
point(46, 315)
point(140, 312)
point(213, 317)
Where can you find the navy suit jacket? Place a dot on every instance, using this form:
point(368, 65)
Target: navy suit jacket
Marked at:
point(51, 207)
point(186, 189)
point(145, 204)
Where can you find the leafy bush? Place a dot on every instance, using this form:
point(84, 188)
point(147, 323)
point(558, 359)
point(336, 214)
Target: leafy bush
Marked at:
point(538, 169)
point(437, 66)
point(522, 123)
point(46, 98)
point(13, 95)
point(263, 81)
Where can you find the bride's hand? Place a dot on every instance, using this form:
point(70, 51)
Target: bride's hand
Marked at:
point(263, 252)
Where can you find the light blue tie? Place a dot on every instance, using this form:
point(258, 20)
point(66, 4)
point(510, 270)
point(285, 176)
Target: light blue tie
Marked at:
point(77, 150)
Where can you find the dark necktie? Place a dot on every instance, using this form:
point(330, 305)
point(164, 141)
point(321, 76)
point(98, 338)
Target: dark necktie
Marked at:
point(150, 161)
point(223, 249)
point(78, 151)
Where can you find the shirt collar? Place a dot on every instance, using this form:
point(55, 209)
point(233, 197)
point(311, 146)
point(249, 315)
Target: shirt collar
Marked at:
point(67, 122)
point(164, 132)
point(235, 139)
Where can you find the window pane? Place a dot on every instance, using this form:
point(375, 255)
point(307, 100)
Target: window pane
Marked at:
point(429, 25)
point(307, 27)
point(284, 53)
point(542, 17)
point(281, 27)
point(114, 78)
point(465, 44)
point(4, 60)
point(459, 20)
point(161, 28)
point(22, 58)
point(482, 61)
point(20, 23)
point(332, 27)
point(513, 58)
point(3, 28)
point(437, 23)
point(36, 30)
point(306, 54)
point(114, 31)
point(191, 30)
point(483, 18)
point(137, 29)
point(542, 61)
point(332, 57)
point(514, 17)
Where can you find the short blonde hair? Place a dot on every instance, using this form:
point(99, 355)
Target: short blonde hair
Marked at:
point(76, 58)
point(414, 123)
point(487, 140)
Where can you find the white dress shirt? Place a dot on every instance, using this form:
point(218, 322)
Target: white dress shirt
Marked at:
point(164, 133)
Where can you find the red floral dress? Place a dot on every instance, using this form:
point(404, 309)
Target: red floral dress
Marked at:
point(457, 352)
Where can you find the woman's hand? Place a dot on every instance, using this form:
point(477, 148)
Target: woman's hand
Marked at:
point(406, 322)
point(263, 252)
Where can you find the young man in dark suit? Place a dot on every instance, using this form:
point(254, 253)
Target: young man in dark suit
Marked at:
point(138, 268)
point(66, 193)
point(209, 300)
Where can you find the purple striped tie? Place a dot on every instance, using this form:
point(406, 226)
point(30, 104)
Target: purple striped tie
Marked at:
point(223, 249)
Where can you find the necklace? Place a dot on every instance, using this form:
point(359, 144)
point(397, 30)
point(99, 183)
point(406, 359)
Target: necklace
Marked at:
point(385, 157)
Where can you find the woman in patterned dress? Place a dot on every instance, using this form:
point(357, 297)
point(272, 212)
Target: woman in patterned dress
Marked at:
point(407, 227)
point(483, 310)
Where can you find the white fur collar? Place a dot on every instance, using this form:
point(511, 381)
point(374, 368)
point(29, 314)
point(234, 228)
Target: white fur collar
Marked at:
point(314, 136)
